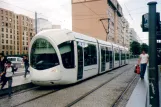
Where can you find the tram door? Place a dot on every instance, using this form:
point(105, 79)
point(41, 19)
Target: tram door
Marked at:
point(80, 62)
point(111, 61)
point(103, 58)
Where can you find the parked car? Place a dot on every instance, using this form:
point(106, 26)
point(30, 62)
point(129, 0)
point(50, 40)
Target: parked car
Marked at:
point(16, 61)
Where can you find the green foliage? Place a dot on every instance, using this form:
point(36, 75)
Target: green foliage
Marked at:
point(135, 48)
point(144, 47)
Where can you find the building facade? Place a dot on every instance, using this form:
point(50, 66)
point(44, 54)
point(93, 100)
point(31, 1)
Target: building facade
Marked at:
point(43, 24)
point(16, 32)
point(89, 17)
point(102, 19)
point(134, 36)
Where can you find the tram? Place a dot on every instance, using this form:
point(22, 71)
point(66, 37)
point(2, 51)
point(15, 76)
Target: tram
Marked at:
point(62, 56)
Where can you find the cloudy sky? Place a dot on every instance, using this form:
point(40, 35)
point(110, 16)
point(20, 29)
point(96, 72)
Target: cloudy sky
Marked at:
point(59, 11)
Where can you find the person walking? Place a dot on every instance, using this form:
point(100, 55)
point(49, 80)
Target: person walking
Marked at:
point(26, 63)
point(3, 61)
point(143, 61)
point(8, 73)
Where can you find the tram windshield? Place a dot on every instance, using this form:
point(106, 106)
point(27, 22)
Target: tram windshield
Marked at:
point(43, 55)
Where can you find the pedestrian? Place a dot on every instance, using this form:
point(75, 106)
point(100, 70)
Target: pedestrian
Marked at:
point(3, 61)
point(143, 61)
point(26, 63)
point(8, 72)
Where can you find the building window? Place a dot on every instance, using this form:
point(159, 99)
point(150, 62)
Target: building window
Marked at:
point(6, 24)
point(6, 30)
point(1, 11)
point(9, 24)
point(1, 17)
point(2, 35)
point(2, 29)
point(6, 13)
point(23, 43)
point(11, 36)
point(6, 35)
point(3, 47)
point(2, 23)
point(6, 52)
point(10, 20)
point(2, 40)
point(10, 30)
point(10, 41)
point(6, 41)
point(17, 33)
point(6, 18)
point(10, 47)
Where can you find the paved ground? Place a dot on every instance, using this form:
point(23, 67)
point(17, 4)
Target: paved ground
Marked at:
point(103, 97)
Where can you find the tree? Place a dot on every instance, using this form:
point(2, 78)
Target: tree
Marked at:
point(135, 48)
point(144, 47)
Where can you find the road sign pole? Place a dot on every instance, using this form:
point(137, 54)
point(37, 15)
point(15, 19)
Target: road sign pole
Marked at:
point(153, 73)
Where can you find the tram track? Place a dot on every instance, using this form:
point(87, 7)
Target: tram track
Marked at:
point(116, 102)
point(98, 87)
point(58, 89)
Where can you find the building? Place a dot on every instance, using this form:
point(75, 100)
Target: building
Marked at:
point(126, 34)
point(133, 35)
point(89, 17)
point(102, 19)
point(16, 32)
point(43, 24)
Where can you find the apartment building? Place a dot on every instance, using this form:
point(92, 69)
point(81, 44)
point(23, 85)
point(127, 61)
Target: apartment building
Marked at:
point(16, 32)
point(102, 19)
point(89, 17)
point(133, 35)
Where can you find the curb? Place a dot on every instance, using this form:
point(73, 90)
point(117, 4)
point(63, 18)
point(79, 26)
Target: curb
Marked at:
point(16, 88)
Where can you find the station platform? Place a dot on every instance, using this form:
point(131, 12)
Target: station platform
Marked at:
point(139, 96)
point(19, 83)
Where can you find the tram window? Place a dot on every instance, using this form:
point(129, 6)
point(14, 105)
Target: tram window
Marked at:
point(116, 55)
point(107, 55)
point(90, 55)
point(43, 55)
point(103, 54)
point(67, 54)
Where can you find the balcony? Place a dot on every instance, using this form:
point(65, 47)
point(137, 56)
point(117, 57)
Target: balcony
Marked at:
point(116, 6)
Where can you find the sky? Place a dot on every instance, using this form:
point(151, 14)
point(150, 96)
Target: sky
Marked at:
point(59, 11)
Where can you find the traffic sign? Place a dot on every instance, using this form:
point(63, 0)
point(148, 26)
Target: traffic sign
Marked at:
point(145, 22)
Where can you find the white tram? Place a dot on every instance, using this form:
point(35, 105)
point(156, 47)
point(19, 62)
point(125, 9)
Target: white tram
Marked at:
point(65, 57)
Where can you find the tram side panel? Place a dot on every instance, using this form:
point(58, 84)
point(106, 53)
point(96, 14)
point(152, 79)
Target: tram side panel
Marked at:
point(89, 61)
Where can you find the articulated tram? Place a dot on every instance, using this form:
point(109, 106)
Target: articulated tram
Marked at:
point(66, 57)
